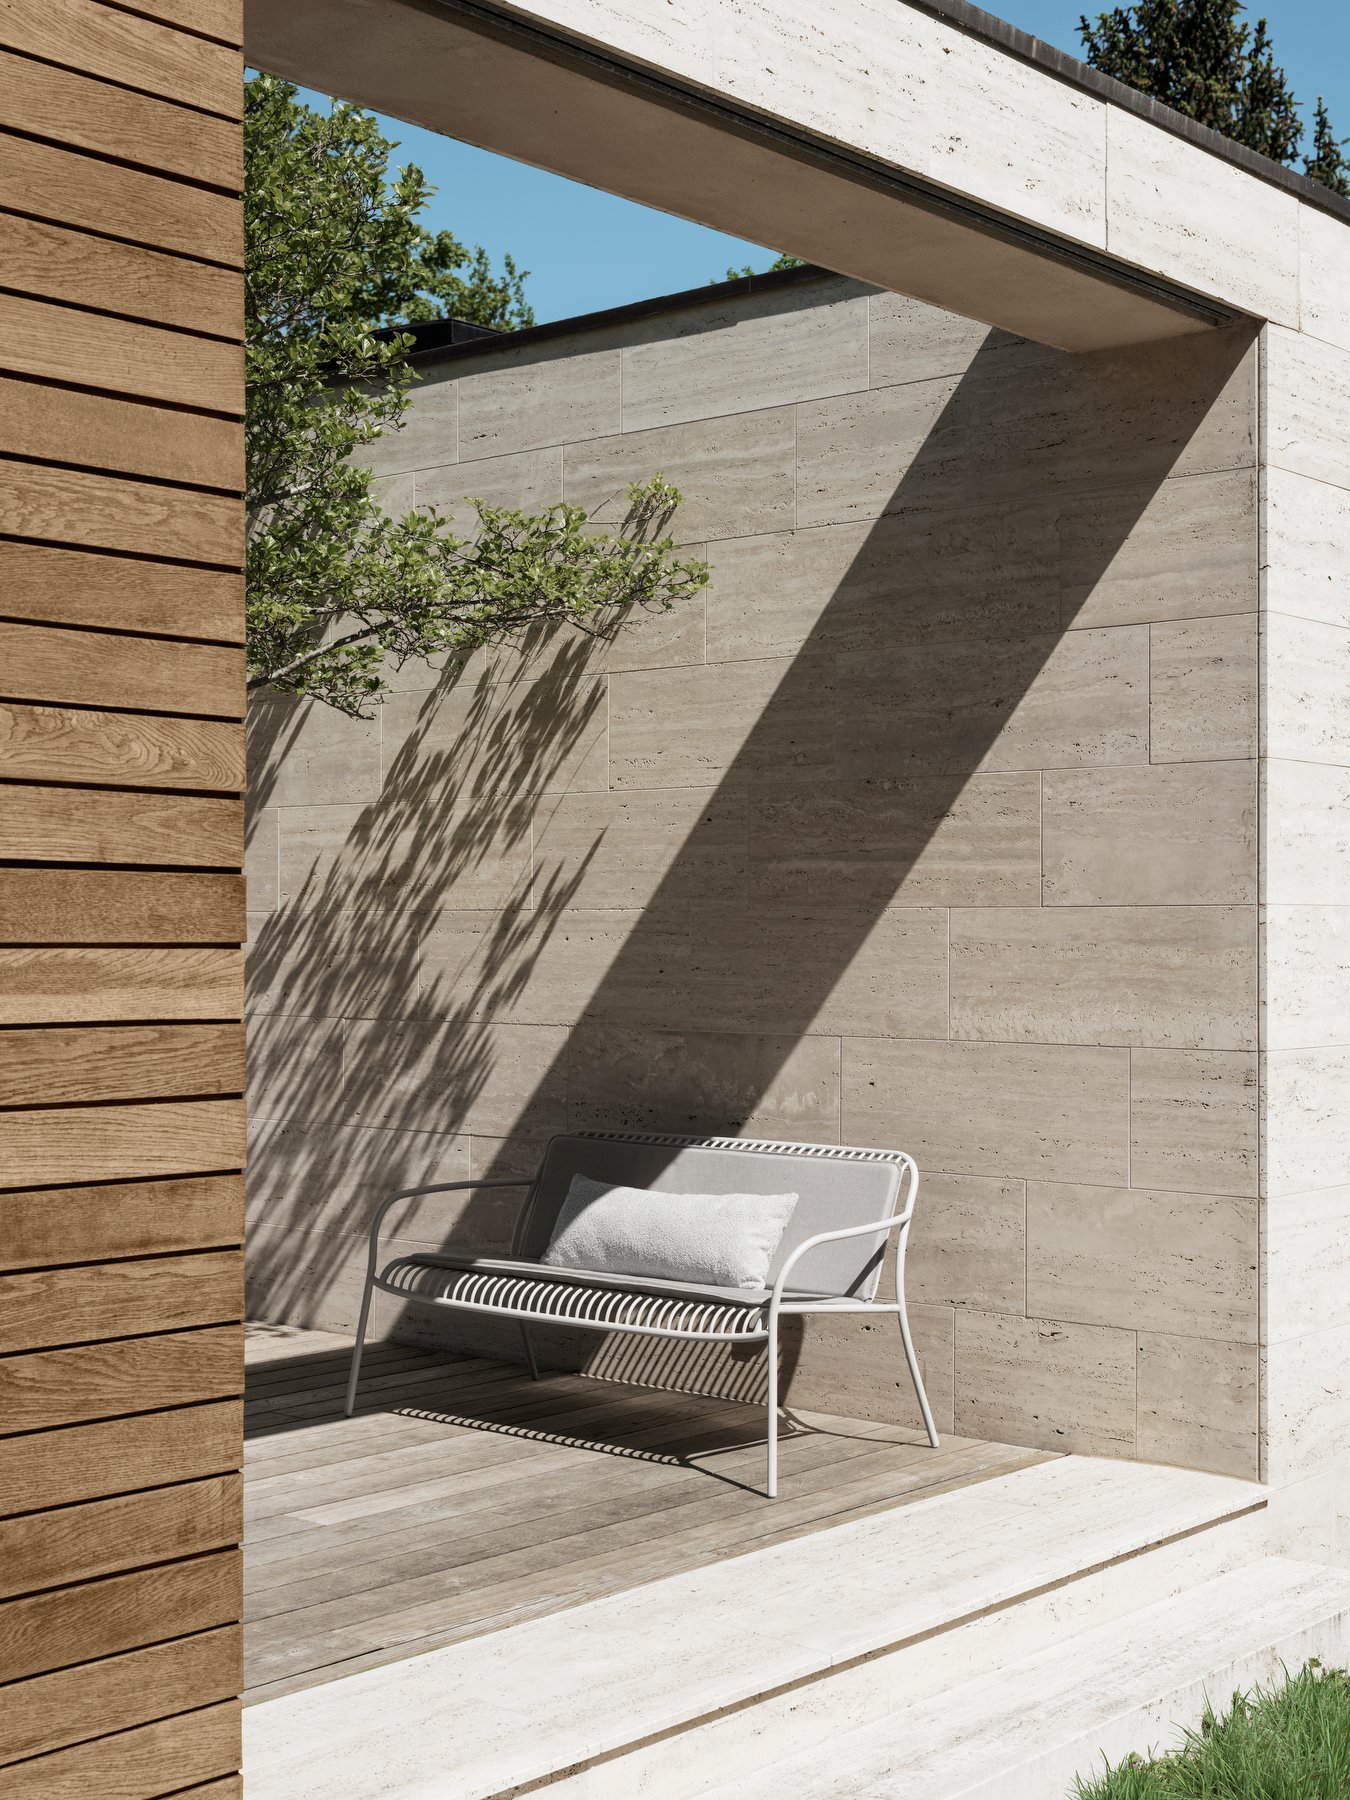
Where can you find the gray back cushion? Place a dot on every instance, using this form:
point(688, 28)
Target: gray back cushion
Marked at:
point(833, 1192)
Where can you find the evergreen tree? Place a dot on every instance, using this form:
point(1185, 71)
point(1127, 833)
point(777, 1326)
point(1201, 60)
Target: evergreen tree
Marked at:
point(1327, 163)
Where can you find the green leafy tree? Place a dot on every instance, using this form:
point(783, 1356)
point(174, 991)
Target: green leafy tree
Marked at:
point(333, 253)
point(780, 262)
point(1327, 161)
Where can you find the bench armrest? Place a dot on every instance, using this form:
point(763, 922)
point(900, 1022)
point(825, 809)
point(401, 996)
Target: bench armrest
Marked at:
point(435, 1187)
point(898, 1221)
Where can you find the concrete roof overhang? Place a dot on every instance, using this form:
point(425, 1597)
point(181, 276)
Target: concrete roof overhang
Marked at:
point(871, 137)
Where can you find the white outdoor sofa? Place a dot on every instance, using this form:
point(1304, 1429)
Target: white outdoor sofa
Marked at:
point(828, 1261)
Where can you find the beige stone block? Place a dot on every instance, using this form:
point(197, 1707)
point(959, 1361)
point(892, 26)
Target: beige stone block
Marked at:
point(1022, 703)
point(1307, 833)
point(394, 494)
point(686, 845)
point(294, 1067)
point(464, 1076)
point(1046, 1383)
point(968, 1243)
point(912, 341)
point(735, 355)
point(736, 474)
point(1164, 976)
point(1307, 690)
point(758, 722)
point(1047, 1112)
point(733, 1084)
point(866, 454)
point(487, 746)
point(427, 438)
point(1202, 689)
point(658, 637)
point(536, 396)
point(1181, 548)
point(855, 1367)
point(1143, 1259)
point(641, 637)
point(353, 857)
point(1181, 212)
point(1307, 1264)
point(318, 960)
point(886, 978)
point(1307, 1121)
point(546, 967)
point(302, 753)
point(1307, 548)
point(1306, 968)
point(1167, 834)
point(1307, 1395)
point(1194, 1120)
point(261, 845)
point(1307, 388)
point(1199, 1404)
point(506, 1159)
point(671, 34)
point(927, 840)
point(527, 480)
point(1324, 276)
point(908, 578)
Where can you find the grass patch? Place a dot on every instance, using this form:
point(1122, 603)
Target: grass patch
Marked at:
point(1290, 1742)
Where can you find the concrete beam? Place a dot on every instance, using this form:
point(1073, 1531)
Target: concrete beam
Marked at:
point(872, 139)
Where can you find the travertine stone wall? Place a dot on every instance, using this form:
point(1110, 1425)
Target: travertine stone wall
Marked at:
point(1306, 884)
point(933, 824)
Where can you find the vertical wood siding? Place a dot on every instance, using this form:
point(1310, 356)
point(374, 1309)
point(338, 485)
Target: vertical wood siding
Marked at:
point(121, 897)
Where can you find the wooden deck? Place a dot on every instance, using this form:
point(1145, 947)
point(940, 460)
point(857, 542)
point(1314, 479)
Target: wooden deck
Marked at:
point(463, 1497)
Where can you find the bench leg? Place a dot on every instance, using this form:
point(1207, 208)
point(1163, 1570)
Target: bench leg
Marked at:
point(355, 1375)
point(914, 1374)
point(529, 1352)
point(771, 1485)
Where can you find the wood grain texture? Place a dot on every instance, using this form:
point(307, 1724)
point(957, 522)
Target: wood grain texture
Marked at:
point(122, 1143)
point(43, 1227)
point(86, 668)
point(53, 262)
point(88, 826)
point(52, 586)
point(49, 743)
point(113, 121)
point(135, 1765)
point(122, 906)
point(106, 512)
point(45, 1307)
point(219, 19)
point(120, 1612)
point(47, 1712)
point(84, 1064)
point(101, 1537)
point(123, 47)
point(89, 349)
point(83, 1462)
point(60, 986)
point(124, 436)
point(69, 188)
point(99, 1381)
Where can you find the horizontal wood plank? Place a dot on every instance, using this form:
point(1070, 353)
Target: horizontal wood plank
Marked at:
point(219, 19)
point(67, 187)
point(82, 1462)
point(101, 1537)
point(133, 1765)
point(47, 1712)
point(41, 1227)
point(106, 512)
point(51, 586)
point(47, 1388)
point(123, 1143)
point(92, 115)
point(49, 743)
point(84, 1064)
point(84, 825)
point(87, 668)
point(120, 906)
point(65, 986)
point(89, 349)
point(121, 1612)
point(133, 51)
point(52, 262)
point(44, 1307)
point(126, 437)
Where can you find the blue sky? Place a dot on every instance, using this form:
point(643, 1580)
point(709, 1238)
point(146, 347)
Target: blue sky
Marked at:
point(586, 250)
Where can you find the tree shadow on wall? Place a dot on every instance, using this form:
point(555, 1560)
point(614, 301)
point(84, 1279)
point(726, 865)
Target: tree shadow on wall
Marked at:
point(662, 909)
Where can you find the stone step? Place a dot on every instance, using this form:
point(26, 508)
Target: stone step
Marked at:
point(1024, 1732)
point(598, 1699)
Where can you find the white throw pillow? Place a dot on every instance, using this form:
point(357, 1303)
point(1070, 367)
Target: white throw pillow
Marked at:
point(711, 1240)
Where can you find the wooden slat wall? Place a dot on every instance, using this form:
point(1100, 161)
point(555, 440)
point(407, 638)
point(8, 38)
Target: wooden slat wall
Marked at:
point(121, 897)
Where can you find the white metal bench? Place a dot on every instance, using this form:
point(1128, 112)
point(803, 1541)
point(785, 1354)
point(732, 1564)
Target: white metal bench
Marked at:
point(829, 1260)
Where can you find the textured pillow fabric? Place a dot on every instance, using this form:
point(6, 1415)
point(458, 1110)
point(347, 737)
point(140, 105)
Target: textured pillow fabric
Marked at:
point(710, 1240)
